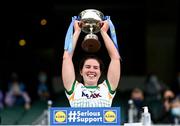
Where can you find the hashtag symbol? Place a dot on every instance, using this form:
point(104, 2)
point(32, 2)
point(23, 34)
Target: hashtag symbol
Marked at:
point(72, 116)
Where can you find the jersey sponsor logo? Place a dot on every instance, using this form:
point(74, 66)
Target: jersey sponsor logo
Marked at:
point(90, 96)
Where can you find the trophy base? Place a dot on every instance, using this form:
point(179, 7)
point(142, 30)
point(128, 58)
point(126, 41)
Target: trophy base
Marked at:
point(91, 43)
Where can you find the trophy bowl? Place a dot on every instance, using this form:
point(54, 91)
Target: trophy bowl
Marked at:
point(91, 24)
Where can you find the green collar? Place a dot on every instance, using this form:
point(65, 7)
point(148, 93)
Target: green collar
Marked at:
point(91, 87)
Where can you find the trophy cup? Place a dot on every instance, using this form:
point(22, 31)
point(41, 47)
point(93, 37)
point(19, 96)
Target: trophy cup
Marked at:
point(90, 24)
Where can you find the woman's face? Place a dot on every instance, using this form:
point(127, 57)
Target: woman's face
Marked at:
point(91, 72)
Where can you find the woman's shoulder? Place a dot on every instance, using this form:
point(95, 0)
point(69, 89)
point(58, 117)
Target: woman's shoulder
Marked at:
point(102, 84)
point(78, 84)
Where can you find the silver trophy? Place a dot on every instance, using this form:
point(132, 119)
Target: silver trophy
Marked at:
point(91, 24)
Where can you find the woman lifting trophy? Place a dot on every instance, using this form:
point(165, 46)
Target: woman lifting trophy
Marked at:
point(90, 92)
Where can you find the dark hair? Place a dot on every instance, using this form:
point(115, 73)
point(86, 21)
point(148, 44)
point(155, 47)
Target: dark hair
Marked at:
point(91, 57)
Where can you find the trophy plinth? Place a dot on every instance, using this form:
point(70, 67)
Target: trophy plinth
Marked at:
point(91, 43)
point(90, 24)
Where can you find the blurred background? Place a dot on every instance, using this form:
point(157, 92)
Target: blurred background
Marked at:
point(32, 41)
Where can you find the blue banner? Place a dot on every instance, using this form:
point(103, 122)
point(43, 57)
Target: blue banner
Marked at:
point(85, 116)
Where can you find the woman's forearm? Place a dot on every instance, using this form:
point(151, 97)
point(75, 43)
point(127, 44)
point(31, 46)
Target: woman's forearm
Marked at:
point(112, 50)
